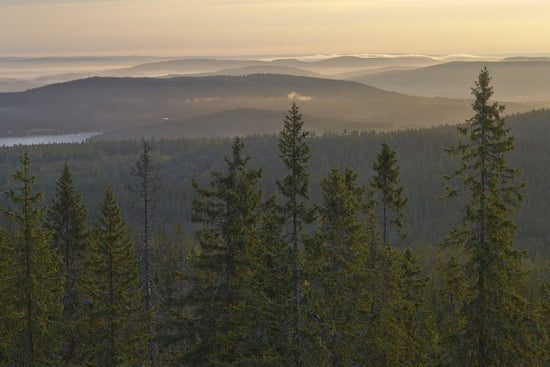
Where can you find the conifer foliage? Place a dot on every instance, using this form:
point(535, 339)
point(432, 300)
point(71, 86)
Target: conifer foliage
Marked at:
point(254, 288)
point(32, 286)
point(113, 320)
point(295, 154)
point(229, 211)
point(388, 190)
point(495, 330)
point(336, 273)
point(66, 219)
point(146, 173)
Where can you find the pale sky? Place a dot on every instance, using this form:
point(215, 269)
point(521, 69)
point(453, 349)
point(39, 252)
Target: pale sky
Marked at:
point(253, 27)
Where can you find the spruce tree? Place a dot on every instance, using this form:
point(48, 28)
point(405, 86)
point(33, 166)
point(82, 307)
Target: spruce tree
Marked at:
point(32, 284)
point(270, 290)
point(336, 299)
point(388, 191)
point(113, 321)
point(146, 173)
point(495, 331)
point(386, 335)
point(223, 324)
point(66, 218)
point(295, 154)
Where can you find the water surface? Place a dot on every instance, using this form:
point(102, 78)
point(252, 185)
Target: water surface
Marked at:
point(46, 139)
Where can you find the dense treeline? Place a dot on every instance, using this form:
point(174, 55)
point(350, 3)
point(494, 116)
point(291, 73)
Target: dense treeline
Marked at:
point(299, 255)
point(422, 162)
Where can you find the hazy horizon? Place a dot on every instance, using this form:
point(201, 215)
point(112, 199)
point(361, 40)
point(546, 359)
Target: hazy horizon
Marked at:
point(222, 28)
point(271, 57)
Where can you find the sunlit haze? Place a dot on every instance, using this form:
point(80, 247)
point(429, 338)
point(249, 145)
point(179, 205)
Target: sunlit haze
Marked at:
point(257, 27)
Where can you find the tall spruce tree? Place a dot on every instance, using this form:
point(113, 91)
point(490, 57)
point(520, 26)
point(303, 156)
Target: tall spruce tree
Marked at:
point(295, 154)
point(223, 325)
point(388, 191)
point(386, 334)
point(495, 331)
point(336, 299)
point(66, 218)
point(113, 327)
point(33, 284)
point(146, 173)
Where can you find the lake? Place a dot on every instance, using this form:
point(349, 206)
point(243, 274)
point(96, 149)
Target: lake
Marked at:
point(46, 139)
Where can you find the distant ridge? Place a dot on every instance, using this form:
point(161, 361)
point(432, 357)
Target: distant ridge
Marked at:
point(361, 62)
point(519, 79)
point(262, 69)
point(35, 72)
point(526, 58)
point(318, 66)
point(107, 103)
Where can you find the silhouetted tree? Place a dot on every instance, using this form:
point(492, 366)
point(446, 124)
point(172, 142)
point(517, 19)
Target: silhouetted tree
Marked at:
point(388, 191)
point(496, 327)
point(66, 218)
point(295, 154)
point(146, 173)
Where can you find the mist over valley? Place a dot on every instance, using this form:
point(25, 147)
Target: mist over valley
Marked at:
point(133, 96)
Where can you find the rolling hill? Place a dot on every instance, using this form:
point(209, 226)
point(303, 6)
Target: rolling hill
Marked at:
point(106, 104)
point(329, 66)
point(262, 69)
point(516, 79)
point(19, 74)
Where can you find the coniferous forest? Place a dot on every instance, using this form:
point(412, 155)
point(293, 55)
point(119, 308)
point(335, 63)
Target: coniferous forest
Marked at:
point(421, 247)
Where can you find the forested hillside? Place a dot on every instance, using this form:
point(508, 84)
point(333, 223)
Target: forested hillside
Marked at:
point(421, 155)
point(413, 310)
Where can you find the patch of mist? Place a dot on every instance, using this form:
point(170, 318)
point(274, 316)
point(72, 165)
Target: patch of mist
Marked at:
point(295, 96)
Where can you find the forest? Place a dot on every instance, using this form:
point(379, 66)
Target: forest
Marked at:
point(419, 247)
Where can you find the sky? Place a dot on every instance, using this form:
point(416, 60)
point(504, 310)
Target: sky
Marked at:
point(268, 27)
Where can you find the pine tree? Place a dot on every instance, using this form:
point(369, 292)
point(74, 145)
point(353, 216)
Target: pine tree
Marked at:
point(295, 154)
point(495, 330)
point(66, 218)
point(146, 172)
point(229, 211)
point(336, 300)
point(33, 288)
point(387, 188)
point(113, 323)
